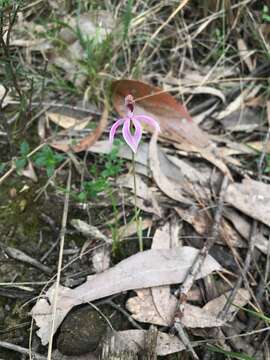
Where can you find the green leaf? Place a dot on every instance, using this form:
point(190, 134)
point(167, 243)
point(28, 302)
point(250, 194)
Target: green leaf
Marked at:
point(20, 164)
point(24, 148)
point(2, 167)
point(40, 161)
point(50, 170)
point(82, 196)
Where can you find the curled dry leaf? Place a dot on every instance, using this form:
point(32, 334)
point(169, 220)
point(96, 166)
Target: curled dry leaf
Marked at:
point(29, 172)
point(149, 268)
point(252, 198)
point(89, 230)
point(87, 141)
point(68, 122)
point(174, 120)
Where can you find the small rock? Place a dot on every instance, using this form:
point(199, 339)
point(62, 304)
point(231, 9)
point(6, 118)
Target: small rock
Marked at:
point(81, 332)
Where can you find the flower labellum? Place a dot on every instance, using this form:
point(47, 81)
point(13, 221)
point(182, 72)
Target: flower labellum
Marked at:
point(134, 122)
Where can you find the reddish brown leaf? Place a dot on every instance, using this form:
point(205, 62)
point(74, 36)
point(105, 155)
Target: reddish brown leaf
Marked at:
point(175, 122)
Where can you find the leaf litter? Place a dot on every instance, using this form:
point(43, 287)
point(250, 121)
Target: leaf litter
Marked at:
point(185, 185)
point(178, 173)
point(145, 269)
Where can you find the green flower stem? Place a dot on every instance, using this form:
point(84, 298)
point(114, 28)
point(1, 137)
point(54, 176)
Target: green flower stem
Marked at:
point(137, 218)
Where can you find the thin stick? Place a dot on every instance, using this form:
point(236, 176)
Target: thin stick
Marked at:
point(62, 241)
point(20, 349)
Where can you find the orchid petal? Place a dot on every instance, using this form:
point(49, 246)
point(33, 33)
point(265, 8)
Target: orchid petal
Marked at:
point(148, 120)
point(114, 128)
point(132, 140)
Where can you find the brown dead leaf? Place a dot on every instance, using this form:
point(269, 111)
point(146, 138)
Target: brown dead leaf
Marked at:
point(175, 122)
point(87, 141)
point(252, 198)
point(149, 268)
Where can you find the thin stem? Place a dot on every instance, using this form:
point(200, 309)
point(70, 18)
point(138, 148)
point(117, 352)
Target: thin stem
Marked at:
point(137, 219)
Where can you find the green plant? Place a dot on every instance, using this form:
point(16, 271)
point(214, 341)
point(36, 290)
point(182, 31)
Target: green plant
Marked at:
point(112, 166)
point(2, 168)
point(265, 13)
point(126, 18)
point(267, 167)
point(48, 159)
point(22, 160)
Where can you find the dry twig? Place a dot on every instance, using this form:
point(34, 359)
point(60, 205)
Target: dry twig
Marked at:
point(196, 267)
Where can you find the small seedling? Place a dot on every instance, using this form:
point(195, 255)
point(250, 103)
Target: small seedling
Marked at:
point(48, 159)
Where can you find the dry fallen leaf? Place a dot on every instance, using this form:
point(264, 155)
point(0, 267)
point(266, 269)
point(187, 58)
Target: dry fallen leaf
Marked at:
point(145, 269)
point(134, 340)
point(89, 231)
point(252, 198)
point(68, 122)
point(143, 309)
point(101, 259)
point(243, 226)
point(87, 141)
point(201, 221)
point(29, 172)
point(175, 190)
point(174, 120)
point(131, 228)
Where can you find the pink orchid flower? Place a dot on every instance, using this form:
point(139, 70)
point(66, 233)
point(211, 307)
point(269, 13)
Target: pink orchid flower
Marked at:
point(130, 120)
